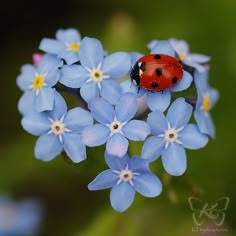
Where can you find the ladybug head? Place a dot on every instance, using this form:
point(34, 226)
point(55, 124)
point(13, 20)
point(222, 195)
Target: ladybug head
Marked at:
point(134, 74)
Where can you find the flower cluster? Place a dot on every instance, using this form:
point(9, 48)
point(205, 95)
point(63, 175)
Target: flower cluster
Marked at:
point(111, 110)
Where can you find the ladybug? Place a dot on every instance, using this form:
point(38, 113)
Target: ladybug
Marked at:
point(156, 72)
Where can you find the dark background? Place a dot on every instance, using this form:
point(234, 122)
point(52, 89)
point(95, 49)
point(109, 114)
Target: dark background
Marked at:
point(70, 209)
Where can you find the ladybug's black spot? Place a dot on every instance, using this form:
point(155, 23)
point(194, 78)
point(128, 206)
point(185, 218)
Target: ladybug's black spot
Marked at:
point(174, 80)
point(159, 71)
point(157, 57)
point(154, 84)
point(143, 66)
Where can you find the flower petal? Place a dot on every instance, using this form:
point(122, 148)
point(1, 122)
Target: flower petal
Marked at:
point(116, 163)
point(204, 122)
point(69, 56)
point(157, 122)
point(163, 47)
point(45, 99)
point(117, 64)
point(136, 130)
point(59, 107)
point(201, 80)
point(77, 118)
point(179, 113)
point(148, 185)
point(191, 138)
point(73, 147)
point(126, 108)
point(117, 145)
point(158, 100)
point(102, 111)
point(199, 58)
point(47, 147)
point(89, 91)
point(111, 91)
point(48, 63)
point(174, 159)
point(183, 84)
point(128, 87)
point(95, 135)
point(122, 196)
point(137, 164)
point(106, 179)
point(25, 79)
point(36, 123)
point(134, 56)
point(180, 46)
point(70, 35)
point(73, 76)
point(26, 102)
point(52, 77)
point(214, 96)
point(152, 148)
point(91, 53)
point(50, 46)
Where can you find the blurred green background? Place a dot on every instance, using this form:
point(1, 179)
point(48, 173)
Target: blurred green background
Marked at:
point(70, 209)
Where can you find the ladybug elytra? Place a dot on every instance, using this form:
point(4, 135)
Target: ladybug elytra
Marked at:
point(156, 72)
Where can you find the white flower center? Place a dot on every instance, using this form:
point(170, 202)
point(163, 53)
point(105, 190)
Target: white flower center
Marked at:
point(115, 127)
point(126, 175)
point(96, 75)
point(171, 135)
point(58, 127)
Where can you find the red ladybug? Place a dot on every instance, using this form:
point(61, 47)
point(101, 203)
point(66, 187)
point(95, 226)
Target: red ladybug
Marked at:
point(156, 72)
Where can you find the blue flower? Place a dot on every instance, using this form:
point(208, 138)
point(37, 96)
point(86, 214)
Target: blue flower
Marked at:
point(66, 45)
point(58, 130)
point(126, 176)
point(37, 83)
point(171, 135)
point(158, 100)
point(19, 218)
point(194, 60)
point(96, 75)
point(207, 98)
point(115, 125)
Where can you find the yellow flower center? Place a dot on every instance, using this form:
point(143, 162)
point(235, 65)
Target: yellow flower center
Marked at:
point(38, 82)
point(182, 56)
point(74, 47)
point(206, 104)
point(96, 75)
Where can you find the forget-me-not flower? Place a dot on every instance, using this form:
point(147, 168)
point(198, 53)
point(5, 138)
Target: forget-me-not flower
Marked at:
point(37, 83)
point(207, 97)
point(19, 218)
point(115, 126)
point(58, 130)
point(127, 176)
point(158, 100)
point(171, 135)
point(97, 73)
point(194, 60)
point(66, 45)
